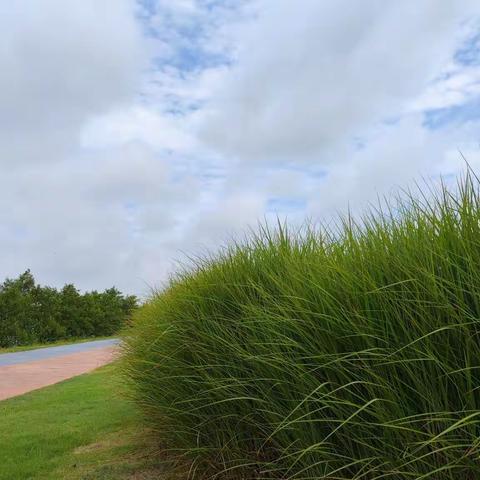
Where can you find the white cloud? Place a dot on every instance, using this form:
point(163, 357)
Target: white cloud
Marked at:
point(113, 168)
point(139, 124)
point(90, 219)
point(61, 62)
point(459, 85)
point(308, 78)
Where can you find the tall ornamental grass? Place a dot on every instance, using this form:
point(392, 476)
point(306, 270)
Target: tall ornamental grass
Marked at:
point(351, 353)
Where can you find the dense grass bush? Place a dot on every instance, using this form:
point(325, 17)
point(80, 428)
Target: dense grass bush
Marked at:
point(31, 313)
point(346, 354)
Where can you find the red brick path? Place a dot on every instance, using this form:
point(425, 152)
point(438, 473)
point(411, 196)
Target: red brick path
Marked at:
point(24, 377)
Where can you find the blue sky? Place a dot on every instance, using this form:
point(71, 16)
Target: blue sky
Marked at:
point(136, 131)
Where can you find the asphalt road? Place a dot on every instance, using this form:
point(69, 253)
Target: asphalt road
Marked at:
point(16, 358)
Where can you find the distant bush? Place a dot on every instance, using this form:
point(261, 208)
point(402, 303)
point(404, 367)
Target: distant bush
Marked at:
point(352, 354)
point(30, 313)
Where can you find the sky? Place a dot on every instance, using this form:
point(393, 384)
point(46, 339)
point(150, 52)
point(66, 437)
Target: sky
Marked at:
point(136, 133)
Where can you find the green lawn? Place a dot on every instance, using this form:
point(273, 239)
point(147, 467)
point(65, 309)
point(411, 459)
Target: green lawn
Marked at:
point(77, 429)
point(58, 343)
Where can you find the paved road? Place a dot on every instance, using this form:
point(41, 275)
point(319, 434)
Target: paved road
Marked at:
point(19, 378)
point(16, 358)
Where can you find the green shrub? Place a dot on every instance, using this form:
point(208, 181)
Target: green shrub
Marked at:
point(320, 354)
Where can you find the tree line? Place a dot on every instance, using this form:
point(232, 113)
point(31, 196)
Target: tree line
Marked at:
point(31, 313)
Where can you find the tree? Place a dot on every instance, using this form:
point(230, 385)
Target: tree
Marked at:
point(33, 313)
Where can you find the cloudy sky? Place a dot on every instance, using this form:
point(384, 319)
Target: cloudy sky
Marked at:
point(135, 132)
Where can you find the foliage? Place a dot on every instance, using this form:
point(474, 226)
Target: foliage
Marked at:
point(30, 313)
point(351, 353)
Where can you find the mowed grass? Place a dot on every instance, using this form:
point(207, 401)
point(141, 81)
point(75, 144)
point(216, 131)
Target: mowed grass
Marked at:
point(78, 429)
point(349, 353)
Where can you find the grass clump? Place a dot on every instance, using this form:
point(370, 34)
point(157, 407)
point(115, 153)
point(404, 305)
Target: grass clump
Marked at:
point(351, 353)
